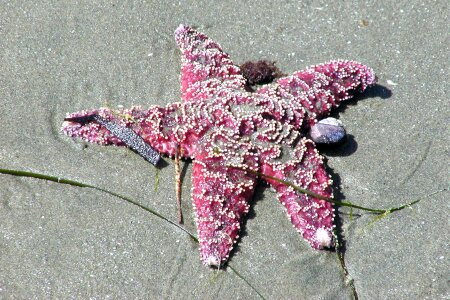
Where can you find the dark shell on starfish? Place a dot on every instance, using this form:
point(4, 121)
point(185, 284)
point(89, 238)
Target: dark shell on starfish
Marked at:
point(328, 131)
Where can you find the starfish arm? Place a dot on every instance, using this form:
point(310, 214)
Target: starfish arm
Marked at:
point(321, 87)
point(158, 126)
point(205, 67)
point(220, 194)
point(311, 217)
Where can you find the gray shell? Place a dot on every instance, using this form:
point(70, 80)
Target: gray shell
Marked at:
point(328, 131)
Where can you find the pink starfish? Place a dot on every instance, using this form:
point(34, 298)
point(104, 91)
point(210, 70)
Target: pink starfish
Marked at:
point(226, 130)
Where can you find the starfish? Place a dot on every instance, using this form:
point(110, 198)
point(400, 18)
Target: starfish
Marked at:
point(232, 135)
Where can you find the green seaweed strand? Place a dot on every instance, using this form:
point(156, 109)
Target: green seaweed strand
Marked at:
point(85, 185)
point(382, 212)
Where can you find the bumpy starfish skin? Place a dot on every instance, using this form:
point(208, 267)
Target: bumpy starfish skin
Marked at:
point(226, 130)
